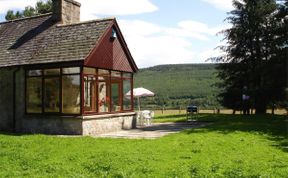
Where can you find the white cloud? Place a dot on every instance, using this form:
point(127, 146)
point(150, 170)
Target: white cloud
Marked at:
point(6, 5)
point(91, 8)
point(152, 44)
point(194, 29)
point(225, 5)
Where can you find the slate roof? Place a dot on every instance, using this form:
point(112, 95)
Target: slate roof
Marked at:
point(39, 40)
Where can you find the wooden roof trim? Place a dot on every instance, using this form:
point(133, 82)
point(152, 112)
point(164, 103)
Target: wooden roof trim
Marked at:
point(124, 44)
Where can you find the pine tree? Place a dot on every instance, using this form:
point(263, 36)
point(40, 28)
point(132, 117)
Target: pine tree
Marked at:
point(40, 8)
point(252, 55)
point(43, 8)
point(10, 15)
point(29, 11)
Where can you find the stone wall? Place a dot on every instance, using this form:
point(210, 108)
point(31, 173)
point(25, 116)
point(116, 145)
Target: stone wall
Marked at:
point(20, 99)
point(6, 99)
point(98, 124)
point(52, 125)
point(80, 125)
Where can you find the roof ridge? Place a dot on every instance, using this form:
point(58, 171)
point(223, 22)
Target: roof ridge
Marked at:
point(88, 21)
point(25, 18)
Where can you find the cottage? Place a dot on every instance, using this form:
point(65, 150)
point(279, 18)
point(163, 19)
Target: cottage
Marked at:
point(62, 76)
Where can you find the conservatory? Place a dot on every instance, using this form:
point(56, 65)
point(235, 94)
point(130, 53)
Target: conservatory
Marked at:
point(77, 91)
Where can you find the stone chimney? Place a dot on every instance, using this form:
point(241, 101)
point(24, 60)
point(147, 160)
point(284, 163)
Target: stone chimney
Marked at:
point(66, 11)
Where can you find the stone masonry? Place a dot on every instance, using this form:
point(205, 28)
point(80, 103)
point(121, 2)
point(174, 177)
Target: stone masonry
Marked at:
point(66, 11)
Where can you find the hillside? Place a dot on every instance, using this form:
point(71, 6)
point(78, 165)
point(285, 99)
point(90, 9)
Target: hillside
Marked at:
point(179, 85)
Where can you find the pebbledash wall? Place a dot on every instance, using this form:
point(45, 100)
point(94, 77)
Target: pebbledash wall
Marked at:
point(13, 117)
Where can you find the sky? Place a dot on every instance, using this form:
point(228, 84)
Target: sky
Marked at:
point(158, 31)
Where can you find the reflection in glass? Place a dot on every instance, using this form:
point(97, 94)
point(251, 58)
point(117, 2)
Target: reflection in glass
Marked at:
point(115, 95)
point(71, 70)
point(90, 93)
point(34, 72)
point(34, 95)
point(71, 94)
point(103, 72)
point(115, 74)
point(52, 71)
point(89, 70)
point(126, 100)
point(127, 75)
point(51, 94)
point(103, 94)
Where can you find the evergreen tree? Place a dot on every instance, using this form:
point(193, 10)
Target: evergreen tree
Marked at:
point(252, 55)
point(18, 15)
point(29, 11)
point(10, 15)
point(40, 8)
point(43, 8)
point(282, 41)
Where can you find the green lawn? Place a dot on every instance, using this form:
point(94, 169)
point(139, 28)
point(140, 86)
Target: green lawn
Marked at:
point(233, 146)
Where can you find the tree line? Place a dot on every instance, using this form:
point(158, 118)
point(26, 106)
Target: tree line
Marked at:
point(179, 85)
point(41, 7)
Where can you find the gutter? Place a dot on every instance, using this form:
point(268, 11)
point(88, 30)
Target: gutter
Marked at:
point(14, 99)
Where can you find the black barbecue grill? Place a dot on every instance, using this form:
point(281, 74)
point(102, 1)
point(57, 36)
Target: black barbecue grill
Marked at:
point(191, 110)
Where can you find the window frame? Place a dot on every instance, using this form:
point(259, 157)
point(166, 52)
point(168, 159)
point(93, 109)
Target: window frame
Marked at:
point(121, 78)
point(25, 90)
point(60, 89)
point(124, 76)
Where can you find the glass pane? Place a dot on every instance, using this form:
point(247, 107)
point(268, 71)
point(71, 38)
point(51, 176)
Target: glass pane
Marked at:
point(103, 72)
point(34, 72)
point(126, 99)
point(51, 94)
point(71, 70)
point(103, 94)
point(34, 95)
point(52, 72)
point(71, 94)
point(115, 74)
point(127, 75)
point(115, 89)
point(90, 94)
point(88, 70)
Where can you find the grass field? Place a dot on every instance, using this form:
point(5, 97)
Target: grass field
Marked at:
point(232, 146)
point(203, 111)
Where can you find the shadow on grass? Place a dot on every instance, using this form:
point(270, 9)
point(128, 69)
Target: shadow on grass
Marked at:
point(273, 126)
point(11, 133)
point(173, 127)
point(171, 116)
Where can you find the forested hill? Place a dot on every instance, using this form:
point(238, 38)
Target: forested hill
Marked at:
point(179, 85)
